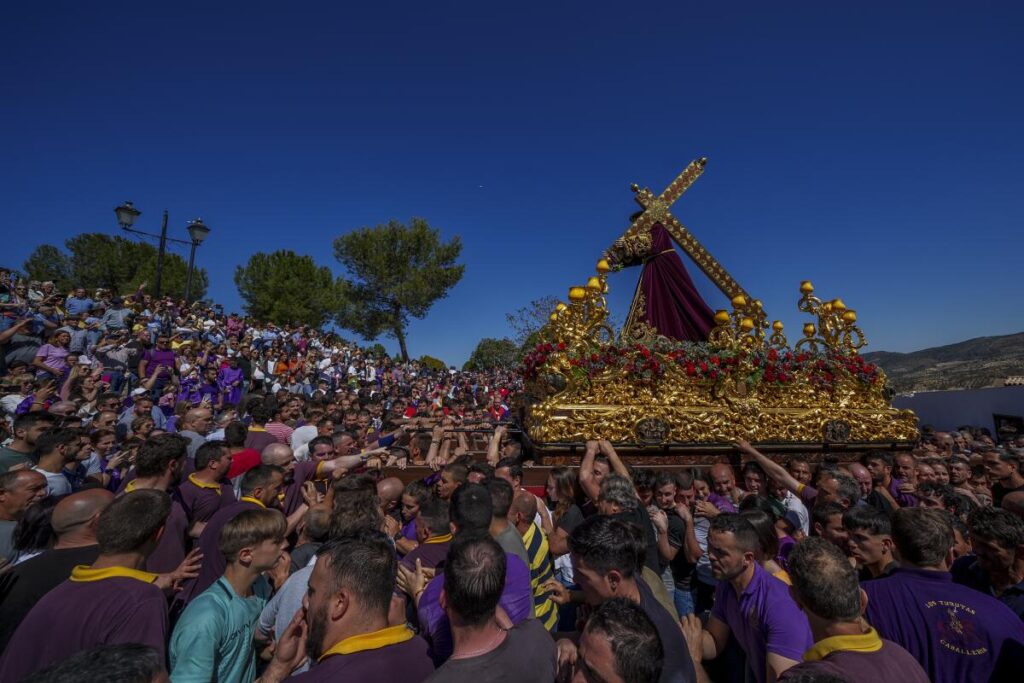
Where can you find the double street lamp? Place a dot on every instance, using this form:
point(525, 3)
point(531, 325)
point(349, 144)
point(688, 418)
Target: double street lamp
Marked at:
point(197, 231)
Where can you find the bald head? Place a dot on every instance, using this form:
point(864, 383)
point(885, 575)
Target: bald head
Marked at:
point(723, 479)
point(389, 490)
point(277, 454)
point(1014, 502)
point(524, 506)
point(73, 513)
point(197, 420)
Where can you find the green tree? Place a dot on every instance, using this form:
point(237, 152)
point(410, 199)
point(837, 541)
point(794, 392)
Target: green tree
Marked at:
point(432, 363)
point(491, 354)
point(395, 272)
point(376, 350)
point(49, 263)
point(285, 288)
point(96, 260)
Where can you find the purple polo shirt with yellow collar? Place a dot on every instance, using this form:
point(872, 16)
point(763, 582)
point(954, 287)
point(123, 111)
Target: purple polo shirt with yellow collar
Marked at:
point(390, 654)
point(201, 499)
point(110, 606)
point(764, 619)
point(956, 633)
point(863, 658)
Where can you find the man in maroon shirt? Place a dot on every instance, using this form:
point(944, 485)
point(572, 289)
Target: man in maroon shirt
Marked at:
point(111, 602)
point(260, 488)
point(826, 589)
point(346, 616)
point(158, 466)
point(205, 491)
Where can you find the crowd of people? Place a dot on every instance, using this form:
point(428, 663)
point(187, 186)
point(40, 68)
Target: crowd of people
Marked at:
point(202, 496)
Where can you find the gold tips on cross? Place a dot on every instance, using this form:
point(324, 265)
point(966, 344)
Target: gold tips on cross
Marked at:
point(703, 161)
point(634, 187)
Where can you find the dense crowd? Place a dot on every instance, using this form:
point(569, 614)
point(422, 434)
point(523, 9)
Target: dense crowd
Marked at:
point(202, 495)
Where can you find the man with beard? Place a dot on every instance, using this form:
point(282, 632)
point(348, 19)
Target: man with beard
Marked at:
point(158, 467)
point(111, 602)
point(750, 604)
point(346, 614)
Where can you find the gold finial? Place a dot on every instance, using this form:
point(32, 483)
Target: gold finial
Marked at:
point(577, 293)
point(603, 266)
point(722, 317)
point(553, 317)
point(806, 287)
point(739, 301)
point(838, 305)
point(850, 316)
point(703, 161)
point(777, 326)
point(746, 324)
point(634, 187)
point(559, 307)
point(809, 330)
point(594, 284)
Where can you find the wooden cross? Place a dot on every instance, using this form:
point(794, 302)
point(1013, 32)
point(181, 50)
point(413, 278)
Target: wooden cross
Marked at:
point(658, 210)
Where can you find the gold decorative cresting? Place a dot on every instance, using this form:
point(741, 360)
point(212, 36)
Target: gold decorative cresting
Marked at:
point(641, 389)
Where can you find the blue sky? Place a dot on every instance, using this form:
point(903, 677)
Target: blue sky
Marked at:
point(871, 147)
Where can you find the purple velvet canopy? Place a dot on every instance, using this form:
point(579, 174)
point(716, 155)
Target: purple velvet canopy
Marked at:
point(673, 305)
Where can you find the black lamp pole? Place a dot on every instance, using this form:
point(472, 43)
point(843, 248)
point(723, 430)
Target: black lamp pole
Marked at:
point(197, 232)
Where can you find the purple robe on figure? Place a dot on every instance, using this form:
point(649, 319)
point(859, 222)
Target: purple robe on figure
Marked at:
point(674, 307)
point(227, 379)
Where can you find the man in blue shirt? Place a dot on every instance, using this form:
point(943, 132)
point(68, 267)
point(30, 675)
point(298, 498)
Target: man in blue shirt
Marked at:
point(78, 303)
point(214, 638)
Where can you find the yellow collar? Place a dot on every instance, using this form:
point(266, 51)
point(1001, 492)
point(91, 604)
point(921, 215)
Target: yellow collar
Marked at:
point(250, 499)
point(438, 539)
point(254, 428)
point(130, 486)
point(865, 642)
point(83, 573)
point(202, 484)
point(392, 635)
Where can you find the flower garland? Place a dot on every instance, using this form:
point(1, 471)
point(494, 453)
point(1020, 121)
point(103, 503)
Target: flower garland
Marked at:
point(647, 363)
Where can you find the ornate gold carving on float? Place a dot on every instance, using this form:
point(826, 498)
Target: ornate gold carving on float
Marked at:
point(642, 389)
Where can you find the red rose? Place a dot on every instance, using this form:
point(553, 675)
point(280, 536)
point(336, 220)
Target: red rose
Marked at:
point(715, 360)
point(561, 346)
point(593, 357)
point(773, 355)
point(690, 369)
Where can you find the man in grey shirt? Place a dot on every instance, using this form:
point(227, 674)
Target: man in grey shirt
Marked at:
point(18, 490)
point(501, 530)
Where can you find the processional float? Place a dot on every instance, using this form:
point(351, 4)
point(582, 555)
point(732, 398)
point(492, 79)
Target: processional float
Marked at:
point(678, 377)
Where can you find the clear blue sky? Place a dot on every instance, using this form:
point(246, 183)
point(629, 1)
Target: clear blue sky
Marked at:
point(874, 148)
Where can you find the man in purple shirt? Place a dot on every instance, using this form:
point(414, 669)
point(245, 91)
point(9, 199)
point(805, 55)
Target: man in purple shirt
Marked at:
point(956, 633)
point(347, 619)
point(260, 487)
point(751, 604)
point(471, 514)
point(205, 491)
point(825, 588)
point(158, 467)
point(111, 602)
point(888, 494)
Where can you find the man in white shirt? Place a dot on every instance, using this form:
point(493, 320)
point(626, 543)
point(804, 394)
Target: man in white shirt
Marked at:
point(55, 449)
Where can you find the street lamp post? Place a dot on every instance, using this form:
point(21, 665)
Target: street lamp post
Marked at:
point(197, 231)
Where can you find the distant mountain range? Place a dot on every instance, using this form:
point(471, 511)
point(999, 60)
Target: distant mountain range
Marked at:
point(971, 364)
